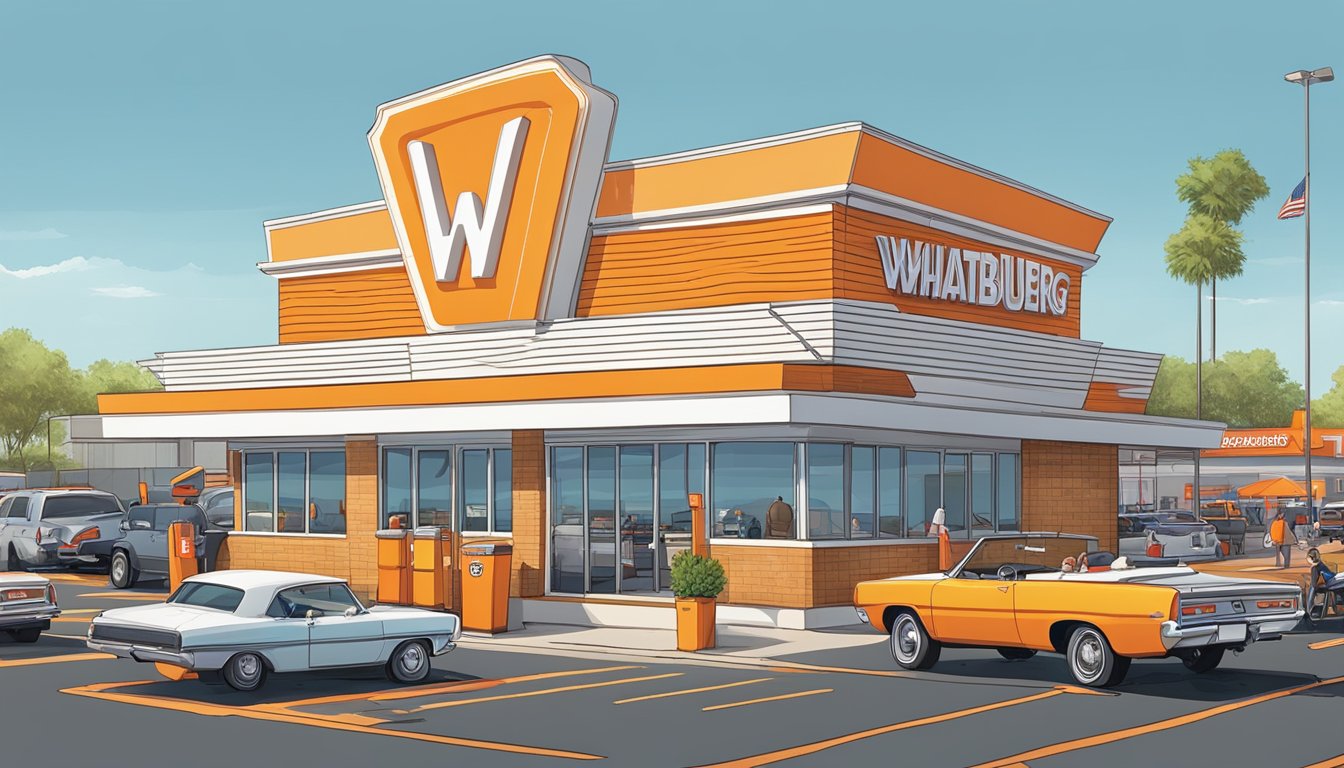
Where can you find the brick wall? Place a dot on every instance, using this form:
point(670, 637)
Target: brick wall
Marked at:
point(529, 514)
point(1071, 488)
point(808, 577)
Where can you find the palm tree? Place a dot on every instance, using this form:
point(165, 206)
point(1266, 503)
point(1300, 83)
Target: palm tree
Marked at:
point(1223, 188)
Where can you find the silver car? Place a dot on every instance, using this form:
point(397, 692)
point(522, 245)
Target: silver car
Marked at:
point(46, 527)
point(27, 606)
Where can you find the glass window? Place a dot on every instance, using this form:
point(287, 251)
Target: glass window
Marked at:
point(567, 520)
point(19, 509)
point(205, 595)
point(503, 480)
point(748, 478)
point(890, 522)
point(923, 489)
point(862, 492)
point(1007, 492)
point(259, 492)
point(290, 479)
point(602, 519)
point(982, 492)
point(474, 483)
point(167, 514)
point(397, 486)
point(954, 493)
point(64, 507)
point(326, 492)
point(321, 599)
point(140, 519)
point(636, 518)
point(826, 491)
point(434, 487)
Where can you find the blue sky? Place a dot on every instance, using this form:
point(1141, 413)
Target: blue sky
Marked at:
point(144, 142)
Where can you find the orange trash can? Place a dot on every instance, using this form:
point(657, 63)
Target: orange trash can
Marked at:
point(394, 566)
point(430, 557)
point(485, 587)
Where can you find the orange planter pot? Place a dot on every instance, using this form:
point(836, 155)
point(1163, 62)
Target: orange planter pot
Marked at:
point(695, 623)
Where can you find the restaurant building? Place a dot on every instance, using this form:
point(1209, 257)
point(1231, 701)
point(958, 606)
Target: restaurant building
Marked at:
point(525, 341)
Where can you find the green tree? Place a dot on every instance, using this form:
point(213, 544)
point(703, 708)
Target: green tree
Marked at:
point(1328, 409)
point(107, 376)
point(35, 383)
point(1221, 189)
point(1242, 389)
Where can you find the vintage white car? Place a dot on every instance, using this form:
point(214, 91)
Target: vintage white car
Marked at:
point(27, 606)
point(242, 625)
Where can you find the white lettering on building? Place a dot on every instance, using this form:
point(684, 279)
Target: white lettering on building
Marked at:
point(916, 268)
point(1255, 441)
point(473, 226)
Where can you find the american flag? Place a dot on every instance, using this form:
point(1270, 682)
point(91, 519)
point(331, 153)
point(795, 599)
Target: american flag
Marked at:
point(1297, 202)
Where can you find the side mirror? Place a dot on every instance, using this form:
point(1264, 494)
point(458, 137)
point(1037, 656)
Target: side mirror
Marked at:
point(351, 612)
point(123, 526)
point(310, 615)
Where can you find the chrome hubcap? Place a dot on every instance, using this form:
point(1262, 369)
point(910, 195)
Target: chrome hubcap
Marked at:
point(907, 639)
point(118, 569)
point(247, 668)
point(1088, 658)
point(412, 659)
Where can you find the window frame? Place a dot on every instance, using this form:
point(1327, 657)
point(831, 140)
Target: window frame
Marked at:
point(274, 453)
point(456, 489)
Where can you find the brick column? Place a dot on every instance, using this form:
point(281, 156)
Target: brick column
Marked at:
point(361, 513)
point(529, 514)
point(235, 464)
point(1071, 488)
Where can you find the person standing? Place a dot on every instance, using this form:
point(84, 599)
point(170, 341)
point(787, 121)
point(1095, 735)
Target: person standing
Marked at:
point(1281, 535)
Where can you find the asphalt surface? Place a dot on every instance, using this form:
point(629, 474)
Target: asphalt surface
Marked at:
point(1275, 705)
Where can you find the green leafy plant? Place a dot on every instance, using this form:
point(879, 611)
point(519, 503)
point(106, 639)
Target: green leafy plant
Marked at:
point(697, 576)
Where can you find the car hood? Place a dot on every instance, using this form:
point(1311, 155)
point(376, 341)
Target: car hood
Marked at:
point(17, 580)
point(167, 616)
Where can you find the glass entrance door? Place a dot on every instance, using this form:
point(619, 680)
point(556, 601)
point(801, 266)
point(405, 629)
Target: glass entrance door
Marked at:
point(636, 519)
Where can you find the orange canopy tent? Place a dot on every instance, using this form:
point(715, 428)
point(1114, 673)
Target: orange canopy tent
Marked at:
point(1279, 487)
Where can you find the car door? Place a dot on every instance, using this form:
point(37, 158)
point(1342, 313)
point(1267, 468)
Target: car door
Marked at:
point(138, 536)
point(21, 530)
point(336, 639)
point(975, 611)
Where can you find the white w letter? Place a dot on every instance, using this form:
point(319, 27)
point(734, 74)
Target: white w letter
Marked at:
point(479, 228)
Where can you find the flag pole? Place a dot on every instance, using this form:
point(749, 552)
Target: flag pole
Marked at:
point(1306, 377)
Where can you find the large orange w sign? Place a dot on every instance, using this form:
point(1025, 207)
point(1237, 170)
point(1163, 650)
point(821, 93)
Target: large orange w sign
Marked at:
point(491, 182)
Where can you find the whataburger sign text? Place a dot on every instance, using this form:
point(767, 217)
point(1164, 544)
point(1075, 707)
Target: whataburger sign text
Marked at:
point(945, 273)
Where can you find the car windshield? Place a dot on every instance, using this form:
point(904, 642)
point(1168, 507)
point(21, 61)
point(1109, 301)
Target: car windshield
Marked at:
point(206, 595)
point(1027, 554)
point(68, 507)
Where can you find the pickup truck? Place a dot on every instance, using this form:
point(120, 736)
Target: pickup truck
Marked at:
point(142, 549)
point(46, 527)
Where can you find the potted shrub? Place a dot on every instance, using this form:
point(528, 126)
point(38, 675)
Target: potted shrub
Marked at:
point(696, 582)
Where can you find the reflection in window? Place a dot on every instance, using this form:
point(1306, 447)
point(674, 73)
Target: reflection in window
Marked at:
point(923, 491)
point(1009, 513)
point(862, 492)
point(474, 483)
point(397, 487)
point(602, 519)
point(982, 492)
point(289, 480)
point(258, 492)
point(748, 478)
point(326, 492)
point(890, 522)
point(566, 500)
point(503, 474)
point(954, 492)
point(825, 491)
point(434, 487)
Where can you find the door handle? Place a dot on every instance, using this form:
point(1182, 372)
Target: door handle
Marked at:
point(1002, 589)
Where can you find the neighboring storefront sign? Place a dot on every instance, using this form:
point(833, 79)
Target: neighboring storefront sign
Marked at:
point(948, 273)
point(1277, 440)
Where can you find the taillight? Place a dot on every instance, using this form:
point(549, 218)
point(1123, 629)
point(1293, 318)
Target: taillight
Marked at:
point(88, 534)
point(1290, 603)
point(38, 535)
point(1197, 610)
point(1175, 605)
point(51, 593)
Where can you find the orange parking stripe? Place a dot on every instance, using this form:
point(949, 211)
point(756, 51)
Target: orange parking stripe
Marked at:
point(1141, 730)
point(84, 619)
point(693, 690)
point(55, 659)
point(126, 596)
point(1326, 644)
point(819, 746)
point(781, 697)
point(546, 691)
point(1332, 762)
point(101, 691)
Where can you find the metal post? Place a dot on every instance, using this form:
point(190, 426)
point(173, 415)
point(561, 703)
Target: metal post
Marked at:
point(1306, 376)
point(1199, 389)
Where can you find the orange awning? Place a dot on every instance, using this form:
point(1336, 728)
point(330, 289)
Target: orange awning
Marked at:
point(1279, 487)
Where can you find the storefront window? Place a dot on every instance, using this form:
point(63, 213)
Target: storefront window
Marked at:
point(1008, 493)
point(826, 491)
point(982, 493)
point(566, 498)
point(746, 479)
point(862, 492)
point(434, 487)
point(396, 487)
point(602, 519)
point(636, 518)
point(294, 492)
point(475, 489)
point(890, 521)
point(503, 482)
point(259, 492)
point(923, 489)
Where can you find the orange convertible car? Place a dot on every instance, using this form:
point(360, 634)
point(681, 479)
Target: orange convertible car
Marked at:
point(1029, 592)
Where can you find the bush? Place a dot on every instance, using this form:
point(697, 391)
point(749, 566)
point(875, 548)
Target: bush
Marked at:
point(697, 576)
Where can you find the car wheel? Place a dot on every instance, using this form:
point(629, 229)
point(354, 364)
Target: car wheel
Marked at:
point(1202, 659)
point(245, 672)
point(911, 645)
point(1092, 661)
point(1016, 654)
point(26, 635)
point(121, 573)
point(409, 662)
point(13, 562)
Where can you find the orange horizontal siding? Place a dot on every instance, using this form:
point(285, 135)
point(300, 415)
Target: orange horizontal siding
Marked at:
point(357, 233)
point(758, 377)
point(847, 378)
point(1105, 396)
point(352, 305)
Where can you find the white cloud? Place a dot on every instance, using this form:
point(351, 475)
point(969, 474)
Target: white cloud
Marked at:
point(31, 234)
point(1249, 302)
point(126, 292)
point(73, 264)
point(1330, 303)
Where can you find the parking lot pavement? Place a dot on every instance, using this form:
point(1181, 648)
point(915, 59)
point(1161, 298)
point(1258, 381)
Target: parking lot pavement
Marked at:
point(842, 703)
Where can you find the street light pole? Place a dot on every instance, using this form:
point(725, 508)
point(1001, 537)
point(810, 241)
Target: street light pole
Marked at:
point(1199, 391)
point(1321, 75)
